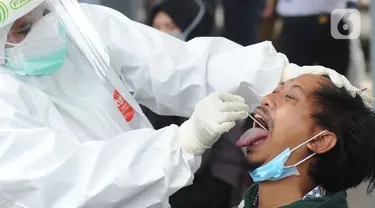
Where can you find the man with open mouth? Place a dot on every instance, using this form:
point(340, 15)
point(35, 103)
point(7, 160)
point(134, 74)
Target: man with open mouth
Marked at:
point(310, 142)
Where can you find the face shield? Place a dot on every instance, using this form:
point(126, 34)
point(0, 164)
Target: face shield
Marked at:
point(34, 36)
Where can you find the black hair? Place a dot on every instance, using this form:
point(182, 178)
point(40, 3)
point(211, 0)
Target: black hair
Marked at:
point(352, 159)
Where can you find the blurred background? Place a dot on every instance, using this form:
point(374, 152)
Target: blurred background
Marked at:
point(301, 29)
point(250, 21)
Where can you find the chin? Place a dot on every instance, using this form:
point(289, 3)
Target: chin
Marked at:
point(253, 165)
point(254, 157)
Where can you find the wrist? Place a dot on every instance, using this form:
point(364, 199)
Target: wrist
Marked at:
point(188, 139)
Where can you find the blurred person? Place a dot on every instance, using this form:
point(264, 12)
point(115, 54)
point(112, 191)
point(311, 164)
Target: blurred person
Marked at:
point(222, 170)
point(148, 5)
point(72, 131)
point(306, 33)
point(357, 64)
point(267, 28)
point(183, 19)
point(318, 142)
point(242, 20)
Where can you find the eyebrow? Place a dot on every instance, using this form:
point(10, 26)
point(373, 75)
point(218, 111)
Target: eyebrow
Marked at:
point(299, 88)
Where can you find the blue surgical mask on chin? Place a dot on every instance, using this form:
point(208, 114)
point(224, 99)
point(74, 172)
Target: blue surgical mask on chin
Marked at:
point(48, 56)
point(276, 170)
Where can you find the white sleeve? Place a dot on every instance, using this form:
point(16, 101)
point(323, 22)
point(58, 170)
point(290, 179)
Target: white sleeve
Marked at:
point(170, 76)
point(43, 165)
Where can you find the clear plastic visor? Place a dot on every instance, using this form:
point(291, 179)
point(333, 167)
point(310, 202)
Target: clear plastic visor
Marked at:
point(37, 40)
point(35, 34)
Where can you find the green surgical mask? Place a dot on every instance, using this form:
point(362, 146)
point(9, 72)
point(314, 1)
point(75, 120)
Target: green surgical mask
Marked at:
point(36, 55)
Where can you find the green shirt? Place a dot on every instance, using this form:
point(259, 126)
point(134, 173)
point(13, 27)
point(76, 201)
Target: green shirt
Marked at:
point(337, 200)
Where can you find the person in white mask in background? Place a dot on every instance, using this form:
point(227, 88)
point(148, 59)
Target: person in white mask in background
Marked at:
point(71, 133)
point(183, 19)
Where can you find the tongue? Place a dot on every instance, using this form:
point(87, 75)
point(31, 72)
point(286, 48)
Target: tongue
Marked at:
point(250, 136)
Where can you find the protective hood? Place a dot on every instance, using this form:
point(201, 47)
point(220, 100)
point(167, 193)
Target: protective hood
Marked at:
point(11, 10)
point(33, 33)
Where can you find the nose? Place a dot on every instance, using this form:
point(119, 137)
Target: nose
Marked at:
point(269, 101)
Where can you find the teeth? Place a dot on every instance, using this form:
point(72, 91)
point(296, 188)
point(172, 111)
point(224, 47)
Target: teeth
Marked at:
point(257, 142)
point(257, 119)
point(258, 116)
point(262, 119)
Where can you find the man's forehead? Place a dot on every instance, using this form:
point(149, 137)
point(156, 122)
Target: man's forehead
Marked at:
point(306, 82)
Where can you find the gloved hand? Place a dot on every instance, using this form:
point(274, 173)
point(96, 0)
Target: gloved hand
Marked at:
point(213, 116)
point(292, 71)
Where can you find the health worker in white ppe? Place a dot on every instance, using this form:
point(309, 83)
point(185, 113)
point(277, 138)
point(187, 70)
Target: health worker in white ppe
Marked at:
point(71, 131)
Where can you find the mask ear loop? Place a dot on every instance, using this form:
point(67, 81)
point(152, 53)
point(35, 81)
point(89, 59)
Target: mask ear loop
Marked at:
point(310, 156)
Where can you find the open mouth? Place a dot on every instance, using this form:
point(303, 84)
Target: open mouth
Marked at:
point(261, 120)
point(256, 136)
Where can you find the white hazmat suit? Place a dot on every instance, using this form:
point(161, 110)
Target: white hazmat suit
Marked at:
point(76, 137)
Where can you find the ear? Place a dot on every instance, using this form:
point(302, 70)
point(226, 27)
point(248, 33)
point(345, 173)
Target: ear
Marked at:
point(323, 143)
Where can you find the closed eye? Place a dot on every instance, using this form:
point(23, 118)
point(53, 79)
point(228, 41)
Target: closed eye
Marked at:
point(290, 97)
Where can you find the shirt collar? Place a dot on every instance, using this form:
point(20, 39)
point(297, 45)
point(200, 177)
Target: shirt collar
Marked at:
point(315, 193)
